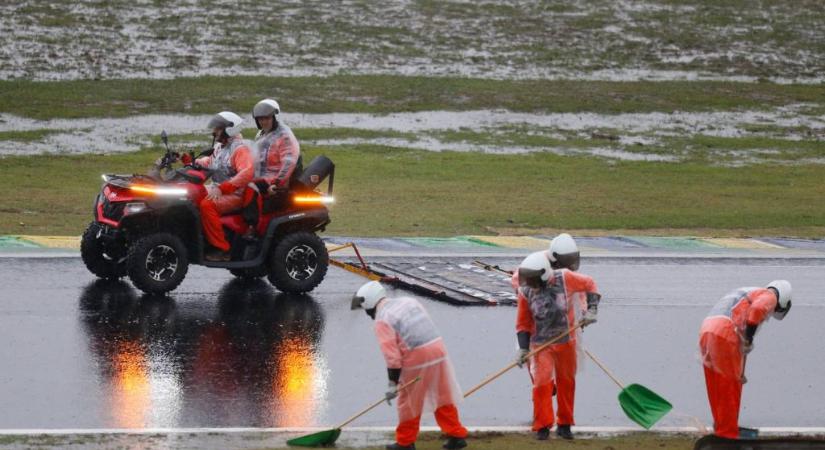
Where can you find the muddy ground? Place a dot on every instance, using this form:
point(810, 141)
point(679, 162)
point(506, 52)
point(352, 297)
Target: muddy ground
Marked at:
point(600, 40)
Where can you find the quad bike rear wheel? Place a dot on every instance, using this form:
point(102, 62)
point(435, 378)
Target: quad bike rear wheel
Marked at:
point(97, 257)
point(157, 263)
point(298, 263)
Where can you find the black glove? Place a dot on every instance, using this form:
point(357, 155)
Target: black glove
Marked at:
point(593, 300)
point(750, 332)
point(523, 347)
point(394, 374)
point(523, 340)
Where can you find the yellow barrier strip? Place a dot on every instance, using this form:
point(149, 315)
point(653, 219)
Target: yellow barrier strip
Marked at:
point(752, 244)
point(64, 242)
point(525, 242)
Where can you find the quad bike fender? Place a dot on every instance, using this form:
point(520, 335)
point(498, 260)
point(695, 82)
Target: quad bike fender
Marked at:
point(315, 217)
point(181, 218)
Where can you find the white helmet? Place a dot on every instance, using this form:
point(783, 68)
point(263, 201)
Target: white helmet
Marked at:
point(229, 121)
point(783, 299)
point(535, 267)
point(368, 296)
point(563, 252)
point(265, 108)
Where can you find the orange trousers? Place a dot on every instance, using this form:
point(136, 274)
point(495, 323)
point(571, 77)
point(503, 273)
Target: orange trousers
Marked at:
point(445, 416)
point(211, 211)
point(723, 379)
point(557, 363)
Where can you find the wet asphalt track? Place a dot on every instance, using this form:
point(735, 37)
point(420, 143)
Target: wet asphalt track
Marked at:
point(77, 353)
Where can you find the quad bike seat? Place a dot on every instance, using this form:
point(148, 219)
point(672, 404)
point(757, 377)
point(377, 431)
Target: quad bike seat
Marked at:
point(260, 199)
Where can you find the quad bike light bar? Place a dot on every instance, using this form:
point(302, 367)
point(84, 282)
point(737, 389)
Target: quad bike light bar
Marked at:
point(158, 190)
point(313, 199)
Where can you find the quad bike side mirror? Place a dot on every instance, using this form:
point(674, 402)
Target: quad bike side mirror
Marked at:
point(164, 137)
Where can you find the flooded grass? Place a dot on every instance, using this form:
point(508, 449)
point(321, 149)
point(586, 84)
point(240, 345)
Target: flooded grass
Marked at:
point(733, 137)
point(453, 193)
point(589, 40)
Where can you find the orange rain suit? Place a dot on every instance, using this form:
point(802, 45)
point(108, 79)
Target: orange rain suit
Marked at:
point(410, 342)
point(545, 313)
point(234, 168)
point(278, 153)
point(721, 340)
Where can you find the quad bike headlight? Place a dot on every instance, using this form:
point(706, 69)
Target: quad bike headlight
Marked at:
point(134, 208)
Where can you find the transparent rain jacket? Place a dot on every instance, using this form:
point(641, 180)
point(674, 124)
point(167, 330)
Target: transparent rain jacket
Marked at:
point(278, 153)
point(722, 334)
point(234, 163)
point(410, 341)
point(555, 307)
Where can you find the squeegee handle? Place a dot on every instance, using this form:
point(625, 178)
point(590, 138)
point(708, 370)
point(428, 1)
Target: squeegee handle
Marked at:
point(604, 368)
point(369, 408)
point(513, 364)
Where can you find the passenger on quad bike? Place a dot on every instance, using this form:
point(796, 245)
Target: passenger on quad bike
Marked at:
point(233, 167)
point(279, 155)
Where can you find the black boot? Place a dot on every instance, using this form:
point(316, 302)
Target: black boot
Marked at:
point(398, 446)
point(215, 255)
point(543, 434)
point(563, 431)
point(454, 443)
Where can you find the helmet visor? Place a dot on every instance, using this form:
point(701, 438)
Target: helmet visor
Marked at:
point(264, 109)
point(218, 121)
point(568, 261)
point(530, 277)
point(779, 313)
point(357, 302)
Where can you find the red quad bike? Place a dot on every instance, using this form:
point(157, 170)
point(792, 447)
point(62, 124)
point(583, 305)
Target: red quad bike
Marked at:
point(148, 227)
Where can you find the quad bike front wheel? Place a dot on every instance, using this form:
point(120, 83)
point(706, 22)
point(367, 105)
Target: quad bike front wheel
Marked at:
point(100, 260)
point(157, 263)
point(298, 263)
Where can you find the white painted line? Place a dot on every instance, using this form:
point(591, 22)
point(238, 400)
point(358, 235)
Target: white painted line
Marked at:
point(653, 255)
point(772, 431)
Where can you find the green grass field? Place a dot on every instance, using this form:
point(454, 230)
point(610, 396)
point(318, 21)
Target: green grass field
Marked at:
point(386, 94)
point(392, 191)
point(399, 190)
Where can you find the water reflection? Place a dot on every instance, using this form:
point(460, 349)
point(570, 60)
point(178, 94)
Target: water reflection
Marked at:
point(248, 359)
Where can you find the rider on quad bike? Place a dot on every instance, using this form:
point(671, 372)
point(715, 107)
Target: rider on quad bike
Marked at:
point(233, 166)
point(279, 153)
point(149, 226)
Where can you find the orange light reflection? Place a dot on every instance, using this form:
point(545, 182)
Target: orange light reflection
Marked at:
point(295, 383)
point(130, 398)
